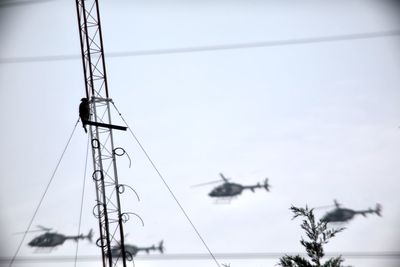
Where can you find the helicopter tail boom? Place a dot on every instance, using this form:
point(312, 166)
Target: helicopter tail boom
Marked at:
point(160, 248)
point(377, 211)
point(252, 188)
point(89, 236)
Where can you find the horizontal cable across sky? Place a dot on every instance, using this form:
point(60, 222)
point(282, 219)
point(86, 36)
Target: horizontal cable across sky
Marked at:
point(205, 256)
point(13, 3)
point(193, 49)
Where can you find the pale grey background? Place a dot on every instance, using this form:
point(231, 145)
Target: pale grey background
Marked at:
point(321, 120)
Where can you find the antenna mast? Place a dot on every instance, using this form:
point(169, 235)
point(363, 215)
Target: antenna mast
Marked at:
point(105, 176)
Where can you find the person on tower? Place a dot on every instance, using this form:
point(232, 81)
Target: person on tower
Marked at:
point(84, 112)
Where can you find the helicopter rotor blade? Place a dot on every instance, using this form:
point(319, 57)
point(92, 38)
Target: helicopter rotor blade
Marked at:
point(32, 231)
point(44, 228)
point(207, 183)
point(324, 207)
point(337, 204)
point(41, 229)
point(223, 177)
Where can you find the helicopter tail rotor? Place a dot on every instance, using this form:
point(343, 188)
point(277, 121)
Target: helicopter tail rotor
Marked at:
point(90, 235)
point(378, 210)
point(161, 246)
point(266, 184)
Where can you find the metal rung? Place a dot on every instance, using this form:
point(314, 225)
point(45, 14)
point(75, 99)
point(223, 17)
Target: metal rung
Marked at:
point(104, 125)
point(100, 99)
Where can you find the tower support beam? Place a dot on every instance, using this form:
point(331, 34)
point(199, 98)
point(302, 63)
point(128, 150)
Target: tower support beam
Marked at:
point(105, 175)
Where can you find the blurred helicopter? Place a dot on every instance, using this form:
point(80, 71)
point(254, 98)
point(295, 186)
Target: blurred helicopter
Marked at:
point(132, 250)
point(343, 215)
point(228, 189)
point(53, 239)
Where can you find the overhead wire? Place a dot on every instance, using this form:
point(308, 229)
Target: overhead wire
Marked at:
point(393, 255)
point(21, 3)
point(43, 195)
point(82, 199)
point(167, 186)
point(210, 48)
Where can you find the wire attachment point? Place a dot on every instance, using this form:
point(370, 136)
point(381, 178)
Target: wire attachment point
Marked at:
point(119, 151)
point(121, 190)
point(126, 217)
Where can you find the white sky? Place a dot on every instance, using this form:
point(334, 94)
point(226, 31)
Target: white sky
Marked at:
point(320, 120)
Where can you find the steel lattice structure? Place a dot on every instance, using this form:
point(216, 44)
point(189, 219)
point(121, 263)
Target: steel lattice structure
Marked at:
point(105, 176)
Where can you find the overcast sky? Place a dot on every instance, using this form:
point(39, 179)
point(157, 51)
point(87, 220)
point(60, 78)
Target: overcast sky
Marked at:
point(321, 120)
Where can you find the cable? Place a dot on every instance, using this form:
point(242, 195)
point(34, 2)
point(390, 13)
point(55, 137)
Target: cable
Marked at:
point(167, 186)
point(43, 195)
point(82, 198)
point(22, 3)
point(194, 49)
point(394, 255)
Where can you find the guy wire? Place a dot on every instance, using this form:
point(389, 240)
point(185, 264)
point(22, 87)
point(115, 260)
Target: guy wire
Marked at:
point(82, 198)
point(43, 195)
point(167, 186)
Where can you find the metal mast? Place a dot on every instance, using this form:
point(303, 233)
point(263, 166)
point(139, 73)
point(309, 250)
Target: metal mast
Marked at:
point(105, 176)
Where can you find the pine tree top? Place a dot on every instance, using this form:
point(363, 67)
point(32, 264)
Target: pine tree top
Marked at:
point(318, 235)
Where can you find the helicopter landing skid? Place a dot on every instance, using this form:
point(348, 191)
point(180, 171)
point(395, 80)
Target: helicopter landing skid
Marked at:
point(338, 224)
point(223, 200)
point(44, 250)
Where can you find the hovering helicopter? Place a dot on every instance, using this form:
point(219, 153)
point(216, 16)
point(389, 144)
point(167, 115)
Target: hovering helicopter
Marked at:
point(343, 215)
point(53, 239)
point(228, 189)
point(132, 250)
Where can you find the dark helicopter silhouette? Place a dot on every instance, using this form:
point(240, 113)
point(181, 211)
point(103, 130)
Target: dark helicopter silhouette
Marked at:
point(343, 215)
point(132, 250)
point(228, 189)
point(54, 239)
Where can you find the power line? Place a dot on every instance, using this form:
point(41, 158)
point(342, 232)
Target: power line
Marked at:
point(43, 195)
point(394, 255)
point(209, 48)
point(22, 3)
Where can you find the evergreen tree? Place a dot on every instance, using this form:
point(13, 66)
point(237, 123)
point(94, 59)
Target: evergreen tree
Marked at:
point(318, 235)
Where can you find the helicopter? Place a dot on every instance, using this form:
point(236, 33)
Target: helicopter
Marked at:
point(53, 239)
point(132, 250)
point(228, 189)
point(340, 214)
